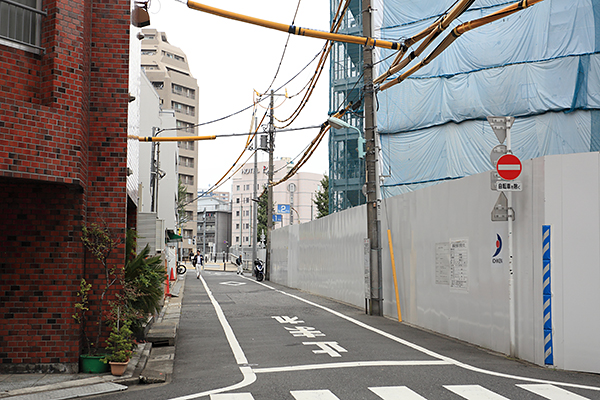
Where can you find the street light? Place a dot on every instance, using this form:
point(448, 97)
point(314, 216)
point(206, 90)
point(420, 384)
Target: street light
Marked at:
point(339, 124)
point(373, 194)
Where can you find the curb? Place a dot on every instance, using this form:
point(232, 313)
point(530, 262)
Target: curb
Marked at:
point(149, 364)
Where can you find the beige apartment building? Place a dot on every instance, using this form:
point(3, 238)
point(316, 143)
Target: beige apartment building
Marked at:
point(166, 67)
point(297, 194)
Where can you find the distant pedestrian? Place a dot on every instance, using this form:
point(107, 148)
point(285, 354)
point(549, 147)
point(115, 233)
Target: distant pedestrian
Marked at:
point(238, 261)
point(198, 264)
point(223, 256)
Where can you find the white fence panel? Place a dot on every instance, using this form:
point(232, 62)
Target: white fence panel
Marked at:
point(452, 260)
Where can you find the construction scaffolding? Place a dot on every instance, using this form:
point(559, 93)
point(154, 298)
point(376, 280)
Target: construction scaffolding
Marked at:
point(346, 169)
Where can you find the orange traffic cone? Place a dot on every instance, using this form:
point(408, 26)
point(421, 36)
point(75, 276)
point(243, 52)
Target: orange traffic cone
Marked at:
point(172, 274)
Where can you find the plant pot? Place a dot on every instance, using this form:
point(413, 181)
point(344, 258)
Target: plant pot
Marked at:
point(118, 368)
point(92, 364)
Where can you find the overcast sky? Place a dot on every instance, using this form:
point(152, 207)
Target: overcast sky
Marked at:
point(231, 59)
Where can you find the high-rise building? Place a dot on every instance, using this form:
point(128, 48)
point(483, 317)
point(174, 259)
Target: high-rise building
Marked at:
point(346, 168)
point(292, 199)
point(166, 67)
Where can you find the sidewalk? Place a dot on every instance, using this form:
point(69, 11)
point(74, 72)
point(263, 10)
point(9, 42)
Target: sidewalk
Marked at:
point(152, 362)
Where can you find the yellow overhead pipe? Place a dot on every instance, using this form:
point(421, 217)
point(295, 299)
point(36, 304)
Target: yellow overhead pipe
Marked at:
point(295, 30)
point(456, 32)
point(432, 33)
point(171, 139)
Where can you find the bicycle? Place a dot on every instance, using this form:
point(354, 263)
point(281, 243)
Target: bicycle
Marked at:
point(181, 269)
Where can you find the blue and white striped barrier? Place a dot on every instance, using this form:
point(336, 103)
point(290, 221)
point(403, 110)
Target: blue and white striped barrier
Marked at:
point(547, 295)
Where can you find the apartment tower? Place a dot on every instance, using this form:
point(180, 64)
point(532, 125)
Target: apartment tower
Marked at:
point(167, 68)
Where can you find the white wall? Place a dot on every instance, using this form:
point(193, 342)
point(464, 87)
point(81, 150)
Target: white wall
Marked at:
point(326, 257)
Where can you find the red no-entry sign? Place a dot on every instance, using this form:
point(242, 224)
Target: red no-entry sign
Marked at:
point(509, 167)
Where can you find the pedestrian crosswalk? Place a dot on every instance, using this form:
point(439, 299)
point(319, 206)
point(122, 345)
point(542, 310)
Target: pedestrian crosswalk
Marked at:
point(468, 392)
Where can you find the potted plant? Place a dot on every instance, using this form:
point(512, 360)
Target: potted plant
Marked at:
point(88, 362)
point(120, 344)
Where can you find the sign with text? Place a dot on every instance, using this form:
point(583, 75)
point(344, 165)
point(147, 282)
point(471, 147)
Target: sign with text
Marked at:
point(283, 208)
point(512, 186)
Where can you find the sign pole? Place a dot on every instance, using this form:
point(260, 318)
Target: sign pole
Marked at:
point(511, 276)
point(508, 167)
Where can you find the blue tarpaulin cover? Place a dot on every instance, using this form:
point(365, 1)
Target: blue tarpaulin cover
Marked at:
point(540, 65)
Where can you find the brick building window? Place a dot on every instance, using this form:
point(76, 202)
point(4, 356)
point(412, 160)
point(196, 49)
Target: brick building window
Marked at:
point(21, 24)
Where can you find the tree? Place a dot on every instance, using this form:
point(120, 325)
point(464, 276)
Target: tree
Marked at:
point(322, 198)
point(100, 241)
point(181, 203)
point(262, 215)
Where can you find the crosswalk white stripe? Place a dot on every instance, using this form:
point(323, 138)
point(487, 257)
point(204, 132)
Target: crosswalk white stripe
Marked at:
point(552, 392)
point(474, 392)
point(232, 396)
point(313, 395)
point(395, 393)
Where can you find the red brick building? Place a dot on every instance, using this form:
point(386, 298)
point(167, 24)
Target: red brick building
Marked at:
point(64, 94)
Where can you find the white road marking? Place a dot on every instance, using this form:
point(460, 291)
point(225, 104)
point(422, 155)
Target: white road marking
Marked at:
point(331, 348)
point(424, 350)
point(474, 392)
point(232, 396)
point(395, 393)
point(284, 319)
point(355, 364)
point(313, 395)
point(238, 353)
point(306, 331)
point(552, 392)
point(231, 283)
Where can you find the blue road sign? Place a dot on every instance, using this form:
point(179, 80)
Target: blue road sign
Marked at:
point(283, 208)
point(276, 217)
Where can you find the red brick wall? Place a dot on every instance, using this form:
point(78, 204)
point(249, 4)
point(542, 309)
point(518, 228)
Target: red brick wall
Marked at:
point(63, 163)
point(40, 264)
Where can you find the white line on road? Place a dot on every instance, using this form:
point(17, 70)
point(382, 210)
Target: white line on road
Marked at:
point(424, 350)
point(474, 392)
point(240, 357)
point(313, 395)
point(395, 393)
point(238, 353)
point(310, 367)
point(232, 396)
point(552, 392)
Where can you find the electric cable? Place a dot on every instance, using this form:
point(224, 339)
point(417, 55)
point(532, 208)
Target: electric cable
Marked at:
point(335, 26)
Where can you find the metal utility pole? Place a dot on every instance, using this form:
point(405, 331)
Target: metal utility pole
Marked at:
point(154, 174)
point(372, 173)
point(204, 232)
point(270, 189)
point(254, 190)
